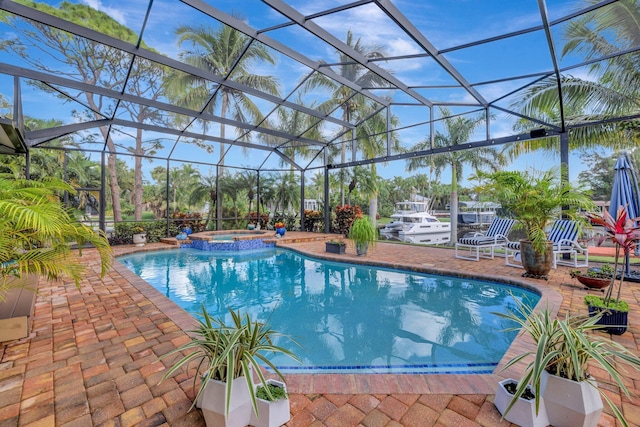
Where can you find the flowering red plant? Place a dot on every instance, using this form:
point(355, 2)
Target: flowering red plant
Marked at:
point(624, 233)
point(279, 224)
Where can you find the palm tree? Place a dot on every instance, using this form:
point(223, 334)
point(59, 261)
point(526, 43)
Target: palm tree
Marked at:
point(294, 122)
point(342, 96)
point(372, 140)
point(181, 180)
point(458, 131)
point(36, 232)
point(612, 90)
point(223, 52)
point(205, 191)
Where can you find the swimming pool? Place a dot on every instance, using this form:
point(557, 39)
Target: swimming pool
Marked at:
point(348, 318)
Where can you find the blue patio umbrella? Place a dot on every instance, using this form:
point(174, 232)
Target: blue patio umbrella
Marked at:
point(625, 192)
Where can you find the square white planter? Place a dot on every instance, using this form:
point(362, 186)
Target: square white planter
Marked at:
point(272, 414)
point(523, 412)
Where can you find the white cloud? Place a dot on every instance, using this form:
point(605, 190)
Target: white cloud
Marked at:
point(114, 12)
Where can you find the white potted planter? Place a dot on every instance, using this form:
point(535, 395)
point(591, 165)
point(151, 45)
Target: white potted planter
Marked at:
point(139, 239)
point(523, 412)
point(571, 403)
point(213, 403)
point(272, 413)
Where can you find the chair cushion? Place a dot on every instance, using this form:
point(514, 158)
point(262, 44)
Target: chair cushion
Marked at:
point(477, 241)
point(513, 245)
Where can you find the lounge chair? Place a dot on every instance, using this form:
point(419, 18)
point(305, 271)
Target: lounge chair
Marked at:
point(483, 244)
point(564, 235)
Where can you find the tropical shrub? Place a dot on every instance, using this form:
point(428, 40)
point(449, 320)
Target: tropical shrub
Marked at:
point(345, 215)
point(252, 217)
point(312, 220)
point(624, 233)
point(37, 232)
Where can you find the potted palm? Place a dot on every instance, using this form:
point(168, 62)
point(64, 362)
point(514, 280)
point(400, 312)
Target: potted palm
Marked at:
point(363, 233)
point(624, 233)
point(535, 200)
point(228, 355)
point(558, 368)
point(36, 237)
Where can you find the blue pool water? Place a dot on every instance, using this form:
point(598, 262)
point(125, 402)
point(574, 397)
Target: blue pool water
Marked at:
point(346, 317)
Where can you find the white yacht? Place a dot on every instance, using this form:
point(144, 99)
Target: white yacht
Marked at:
point(414, 218)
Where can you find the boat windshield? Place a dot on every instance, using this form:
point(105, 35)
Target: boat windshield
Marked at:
point(411, 207)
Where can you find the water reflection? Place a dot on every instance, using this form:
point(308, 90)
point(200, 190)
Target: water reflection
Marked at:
point(345, 316)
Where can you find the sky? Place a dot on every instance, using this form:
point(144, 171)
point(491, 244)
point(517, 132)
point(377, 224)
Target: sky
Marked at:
point(447, 24)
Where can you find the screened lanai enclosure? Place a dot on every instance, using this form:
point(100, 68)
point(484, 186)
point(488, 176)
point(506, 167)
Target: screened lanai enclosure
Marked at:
point(224, 112)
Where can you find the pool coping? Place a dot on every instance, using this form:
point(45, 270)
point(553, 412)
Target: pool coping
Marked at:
point(361, 383)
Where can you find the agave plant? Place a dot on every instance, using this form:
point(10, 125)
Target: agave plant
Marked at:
point(226, 352)
point(624, 233)
point(566, 347)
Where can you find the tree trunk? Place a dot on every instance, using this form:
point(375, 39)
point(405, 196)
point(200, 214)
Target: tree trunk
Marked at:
point(115, 187)
point(453, 204)
point(111, 167)
point(373, 209)
point(137, 184)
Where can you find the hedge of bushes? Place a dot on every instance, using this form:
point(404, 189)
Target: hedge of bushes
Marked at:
point(155, 231)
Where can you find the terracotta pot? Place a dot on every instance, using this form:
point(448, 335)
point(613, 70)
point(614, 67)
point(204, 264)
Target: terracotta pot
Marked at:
point(594, 282)
point(534, 263)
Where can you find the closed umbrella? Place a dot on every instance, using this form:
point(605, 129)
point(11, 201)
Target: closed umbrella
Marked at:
point(625, 192)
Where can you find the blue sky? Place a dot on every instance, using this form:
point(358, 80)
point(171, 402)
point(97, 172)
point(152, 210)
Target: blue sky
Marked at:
point(447, 24)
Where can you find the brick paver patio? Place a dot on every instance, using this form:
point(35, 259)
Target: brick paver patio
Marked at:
point(93, 356)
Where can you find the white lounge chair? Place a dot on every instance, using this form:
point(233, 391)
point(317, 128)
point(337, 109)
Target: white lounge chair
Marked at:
point(564, 235)
point(483, 244)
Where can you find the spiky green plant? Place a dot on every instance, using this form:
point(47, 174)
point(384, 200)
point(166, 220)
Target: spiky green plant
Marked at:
point(565, 347)
point(225, 352)
point(362, 231)
point(36, 233)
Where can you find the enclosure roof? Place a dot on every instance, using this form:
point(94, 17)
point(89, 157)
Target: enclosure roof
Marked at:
point(300, 83)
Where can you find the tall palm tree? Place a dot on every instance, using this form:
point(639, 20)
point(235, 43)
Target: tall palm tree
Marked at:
point(181, 180)
point(205, 191)
point(371, 140)
point(458, 131)
point(297, 123)
point(342, 96)
point(612, 90)
point(225, 52)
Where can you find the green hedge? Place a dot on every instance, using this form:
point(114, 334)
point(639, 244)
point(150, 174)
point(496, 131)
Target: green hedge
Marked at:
point(155, 230)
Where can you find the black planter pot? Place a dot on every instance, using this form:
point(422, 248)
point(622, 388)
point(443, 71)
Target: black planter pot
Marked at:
point(614, 322)
point(334, 248)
